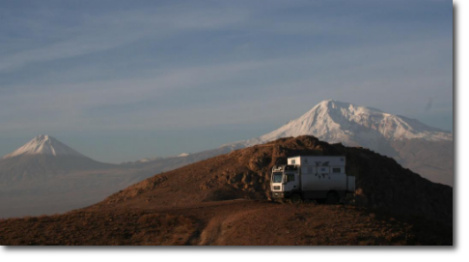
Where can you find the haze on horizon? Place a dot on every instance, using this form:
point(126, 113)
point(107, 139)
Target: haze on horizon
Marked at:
point(124, 80)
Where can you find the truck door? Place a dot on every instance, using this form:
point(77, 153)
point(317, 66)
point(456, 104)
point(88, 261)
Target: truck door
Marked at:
point(292, 182)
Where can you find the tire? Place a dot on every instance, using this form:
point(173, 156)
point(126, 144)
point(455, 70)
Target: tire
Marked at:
point(332, 198)
point(296, 199)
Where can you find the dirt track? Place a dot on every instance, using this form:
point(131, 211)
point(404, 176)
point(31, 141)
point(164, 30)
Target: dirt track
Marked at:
point(233, 222)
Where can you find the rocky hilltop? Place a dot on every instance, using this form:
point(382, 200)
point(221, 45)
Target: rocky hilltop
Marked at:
point(380, 181)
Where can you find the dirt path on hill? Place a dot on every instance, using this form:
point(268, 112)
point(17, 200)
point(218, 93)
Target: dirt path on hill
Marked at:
point(232, 222)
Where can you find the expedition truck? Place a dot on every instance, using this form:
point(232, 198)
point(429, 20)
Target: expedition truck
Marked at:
point(311, 177)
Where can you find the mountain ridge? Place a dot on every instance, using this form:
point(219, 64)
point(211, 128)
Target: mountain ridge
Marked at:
point(339, 122)
point(333, 121)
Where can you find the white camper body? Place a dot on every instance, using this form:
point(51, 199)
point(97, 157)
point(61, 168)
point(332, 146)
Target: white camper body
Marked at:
point(312, 177)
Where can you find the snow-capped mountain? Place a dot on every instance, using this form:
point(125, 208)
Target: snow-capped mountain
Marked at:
point(44, 145)
point(339, 122)
point(414, 144)
point(42, 158)
point(183, 155)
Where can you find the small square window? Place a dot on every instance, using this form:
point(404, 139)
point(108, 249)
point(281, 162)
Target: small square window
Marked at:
point(290, 177)
point(293, 162)
point(336, 170)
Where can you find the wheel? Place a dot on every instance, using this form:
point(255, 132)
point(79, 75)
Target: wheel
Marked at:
point(296, 199)
point(332, 198)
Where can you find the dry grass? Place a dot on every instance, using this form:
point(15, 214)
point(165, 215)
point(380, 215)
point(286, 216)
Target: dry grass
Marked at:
point(227, 223)
point(98, 228)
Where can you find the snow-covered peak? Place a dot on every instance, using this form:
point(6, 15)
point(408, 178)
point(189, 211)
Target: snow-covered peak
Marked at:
point(46, 145)
point(335, 121)
point(183, 155)
point(146, 160)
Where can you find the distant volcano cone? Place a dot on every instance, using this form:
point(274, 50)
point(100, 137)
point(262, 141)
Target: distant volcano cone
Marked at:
point(42, 158)
point(45, 145)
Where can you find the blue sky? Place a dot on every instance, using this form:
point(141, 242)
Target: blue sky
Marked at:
point(123, 80)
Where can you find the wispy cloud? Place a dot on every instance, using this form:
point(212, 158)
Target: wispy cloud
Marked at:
point(100, 32)
point(167, 65)
point(179, 92)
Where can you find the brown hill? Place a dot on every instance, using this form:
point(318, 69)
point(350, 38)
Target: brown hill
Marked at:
point(380, 181)
point(195, 205)
point(232, 222)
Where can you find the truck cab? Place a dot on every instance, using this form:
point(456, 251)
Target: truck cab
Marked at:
point(285, 181)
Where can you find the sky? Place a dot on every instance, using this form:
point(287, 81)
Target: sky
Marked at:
point(124, 80)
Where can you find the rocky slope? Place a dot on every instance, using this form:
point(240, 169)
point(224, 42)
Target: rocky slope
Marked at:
point(381, 182)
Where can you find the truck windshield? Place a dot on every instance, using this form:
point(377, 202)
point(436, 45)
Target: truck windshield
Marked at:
point(277, 177)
